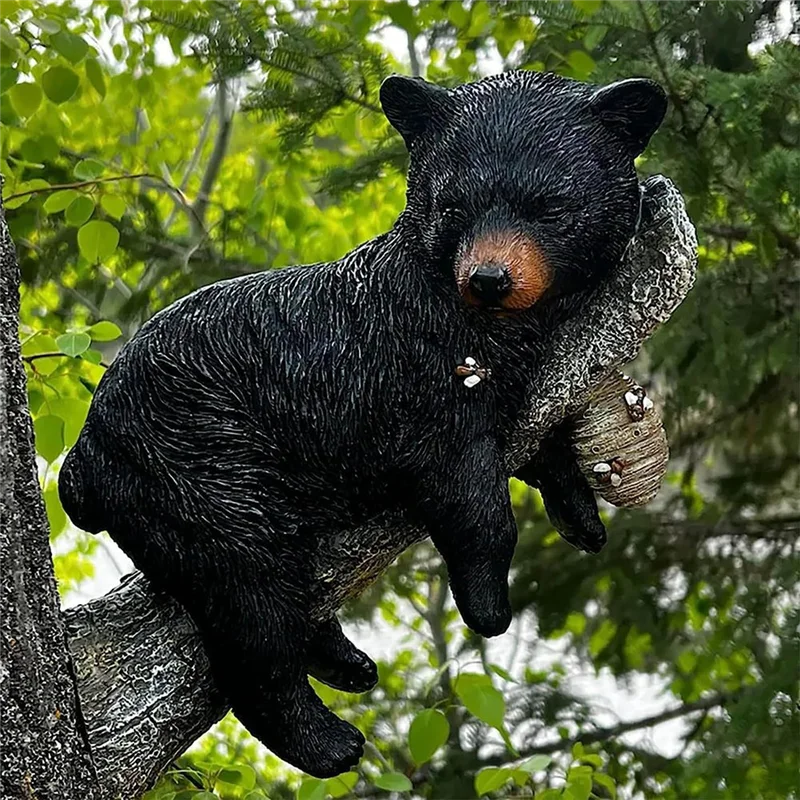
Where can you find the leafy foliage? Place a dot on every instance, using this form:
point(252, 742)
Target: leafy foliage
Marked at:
point(150, 148)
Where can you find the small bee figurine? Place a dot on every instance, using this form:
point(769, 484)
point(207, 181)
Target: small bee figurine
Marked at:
point(472, 373)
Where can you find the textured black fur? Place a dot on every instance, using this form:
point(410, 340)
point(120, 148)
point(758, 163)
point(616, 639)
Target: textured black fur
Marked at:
point(250, 421)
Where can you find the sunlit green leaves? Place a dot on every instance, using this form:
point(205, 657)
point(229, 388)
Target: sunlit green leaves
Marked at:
point(481, 698)
point(26, 98)
point(312, 789)
point(60, 84)
point(71, 46)
point(73, 344)
point(94, 72)
point(113, 205)
point(428, 732)
point(89, 169)
point(97, 240)
point(8, 78)
point(490, 779)
point(79, 210)
point(393, 782)
point(59, 201)
point(49, 436)
point(104, 331)
point(7, 39)
point(56, 516)
point(240, 775)
point(341, 785)
point(73, 411)
point(535, 764)
point(46, 25)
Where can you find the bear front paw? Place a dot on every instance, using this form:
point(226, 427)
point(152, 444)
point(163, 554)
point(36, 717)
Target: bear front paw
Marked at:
point(333, 659)
point(483, 605)
point(357, 675)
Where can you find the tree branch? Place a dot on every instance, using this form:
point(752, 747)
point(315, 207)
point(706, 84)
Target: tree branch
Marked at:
point(615, 731)
point(45, 749)
point(224, 128)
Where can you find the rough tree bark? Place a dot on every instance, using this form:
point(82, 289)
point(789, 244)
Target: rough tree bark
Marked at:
point(45, 751)
point(141, 672)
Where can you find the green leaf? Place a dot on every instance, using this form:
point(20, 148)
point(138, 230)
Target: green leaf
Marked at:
point(70, 45)
point(594, 35)
point(393, 782)
point(607, 783)
point(402, 15)
point(588, 7)
point(58, 201)
point(503, 673)
point(88, 169)
point(592, 758)
point(483, 701)
point(8, 39)
point(8, 77)
point(341, 785)
point(94, 72)
point(93, 357)
point(428, 732)
point(104, 331)
point(97, 240)
point(238, 775)
point(25, 98)
point(56, 515)
point(60, 84)
point(205, 796)
point(490, 779)
point(48, 434)
point(113, 205)
point(579, 783)
point(79, 210)
point(73, 411)
point(73, 344)
point(458, 14)
point(602, 637)
point(46, 25)
point(581, 63)
point(312, 789)
point(535, 764)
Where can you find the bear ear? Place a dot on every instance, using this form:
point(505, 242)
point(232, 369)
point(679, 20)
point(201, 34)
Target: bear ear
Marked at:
point(409, 104)
point(632, 109)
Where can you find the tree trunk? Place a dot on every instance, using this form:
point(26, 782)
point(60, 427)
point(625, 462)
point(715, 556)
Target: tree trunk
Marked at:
point(45, 752)
point(143, 677)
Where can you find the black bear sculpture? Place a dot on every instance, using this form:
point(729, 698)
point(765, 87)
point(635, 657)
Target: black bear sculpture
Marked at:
point(247, 423)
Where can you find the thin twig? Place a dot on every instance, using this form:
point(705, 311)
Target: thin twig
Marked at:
point(112, 179)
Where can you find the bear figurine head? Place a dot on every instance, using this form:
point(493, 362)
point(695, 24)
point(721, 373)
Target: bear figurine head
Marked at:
point(522, 185)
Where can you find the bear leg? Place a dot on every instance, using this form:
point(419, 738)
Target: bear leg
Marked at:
point(466, 507)
point(333, 659)
point(568, 499)
point(248, 593)
point(252, 615)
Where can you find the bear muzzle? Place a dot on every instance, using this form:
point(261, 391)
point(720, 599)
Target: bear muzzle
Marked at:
point(503, 271)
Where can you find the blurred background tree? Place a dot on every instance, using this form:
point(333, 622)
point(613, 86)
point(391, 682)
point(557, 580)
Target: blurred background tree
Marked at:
point(150, 148)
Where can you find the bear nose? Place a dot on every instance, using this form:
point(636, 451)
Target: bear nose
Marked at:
point(490, 283)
